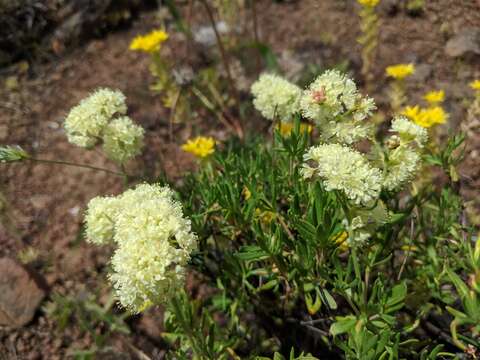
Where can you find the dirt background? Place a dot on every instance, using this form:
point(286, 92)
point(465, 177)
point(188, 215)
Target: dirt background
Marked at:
point(43, 204)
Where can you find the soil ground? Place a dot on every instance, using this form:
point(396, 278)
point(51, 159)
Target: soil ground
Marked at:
point(44, 204)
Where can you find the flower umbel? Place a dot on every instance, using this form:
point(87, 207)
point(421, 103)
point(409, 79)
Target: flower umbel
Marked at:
point(400, 71)
point(342, 168)
point(331, 94)
point(100, 219)
point(154, 242)
point(408, 131)
point(200, 146)
point(122, 139)
point(150, 42)
point(402, 164)
point(86, 121)
point(276, 97)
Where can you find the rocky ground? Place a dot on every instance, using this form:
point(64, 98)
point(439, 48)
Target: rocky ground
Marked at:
point(41, 206)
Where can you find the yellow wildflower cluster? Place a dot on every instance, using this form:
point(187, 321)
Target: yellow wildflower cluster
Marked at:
point(400, 71)
point(265, 217)
point(434, 97)
point(247, 194)
point(475, 85)
point(425, 117)
point(200, 146)
point(286, 128)
point(368, 3)
point(150, 42)
point(341, 241)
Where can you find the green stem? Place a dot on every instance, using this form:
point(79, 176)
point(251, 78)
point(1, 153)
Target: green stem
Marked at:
point(85, 166)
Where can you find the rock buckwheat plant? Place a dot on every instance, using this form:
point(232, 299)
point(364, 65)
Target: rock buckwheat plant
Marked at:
point(318, 243)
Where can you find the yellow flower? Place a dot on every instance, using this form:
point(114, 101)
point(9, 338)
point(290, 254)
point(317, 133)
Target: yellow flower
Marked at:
point(285, 128)
point(265, 217)
point(435, 115)
point(409, 248)
point(247, 194)
point(400, 71)
point(475, 85)
point(150, 42)
point(369, 3)
point(434, 97)
point(200, 146)
point(341, 241)
point(426, 117)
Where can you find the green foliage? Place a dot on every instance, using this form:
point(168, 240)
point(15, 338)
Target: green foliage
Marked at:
point(268, 244)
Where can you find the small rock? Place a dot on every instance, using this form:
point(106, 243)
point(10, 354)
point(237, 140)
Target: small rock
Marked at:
point(422, 72)
point(466, 42)
point(205, 35)
point(20, 295)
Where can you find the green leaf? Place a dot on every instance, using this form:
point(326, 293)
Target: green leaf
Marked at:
point(252, 253)
point(343, 325)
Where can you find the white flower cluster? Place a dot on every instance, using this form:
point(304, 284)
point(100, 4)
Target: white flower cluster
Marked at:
point(409, 131)
point(154, 242)
point(122, 139)
point(93, 120)
point(403, 160)
point(401, 167)
point(344, 169)
point(275, 97)
point(332, 101)
point(331, 94)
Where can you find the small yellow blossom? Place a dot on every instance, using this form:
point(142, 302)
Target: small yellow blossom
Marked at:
point(434, 97)
point(435, 115)
point(475, 85)
point(341, 241)
point(409, 248)
point(369, 3)
point(412, 112)
point(286, 128)
point(265, 217)
point(426, 117)
point(247, 194)
point(150, 42)
point(200, 146)
point(400, 71)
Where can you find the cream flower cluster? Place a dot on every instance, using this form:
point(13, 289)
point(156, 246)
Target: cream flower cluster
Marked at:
point(402, 165)
point(342, 168)
point(275, 97)
point(154, 242)
point(122, 139)
point(332, 101)
point(409, 131)
point(331, 94)
point(94, 120)
point(403, 159)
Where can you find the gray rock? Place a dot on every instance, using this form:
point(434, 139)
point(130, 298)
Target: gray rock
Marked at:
point(466, 42)
point(422, 72)
point(205, 35)
point(20, 295)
